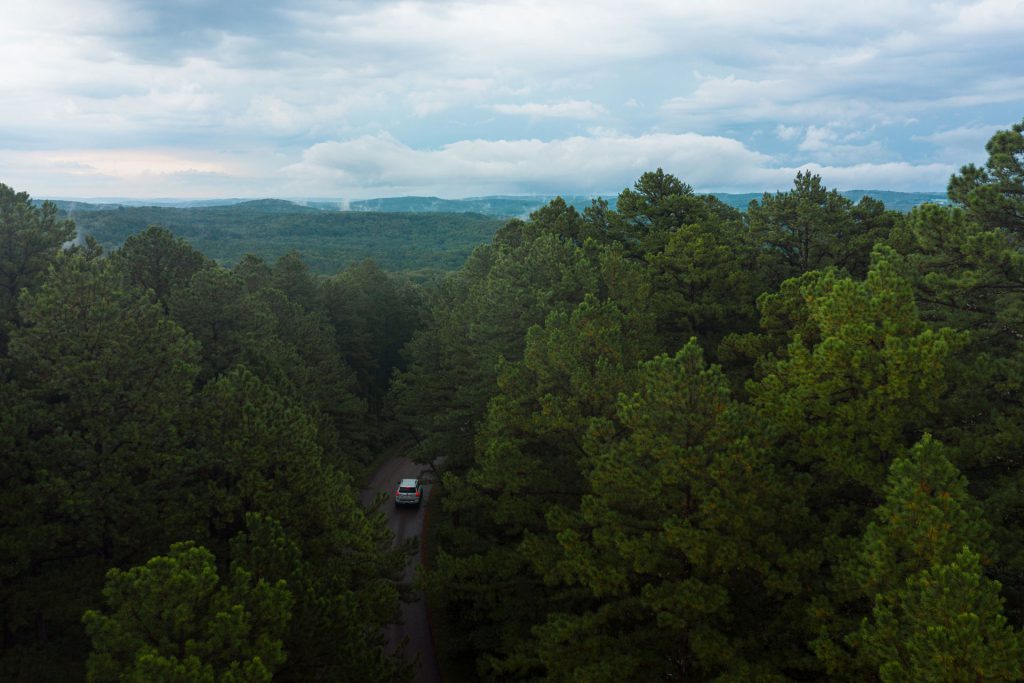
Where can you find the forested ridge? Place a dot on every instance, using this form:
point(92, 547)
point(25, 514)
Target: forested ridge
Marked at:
point(675, 441)
point(328, 241)
point(422, 234)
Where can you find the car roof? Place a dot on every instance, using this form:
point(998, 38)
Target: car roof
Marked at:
point(409, 482)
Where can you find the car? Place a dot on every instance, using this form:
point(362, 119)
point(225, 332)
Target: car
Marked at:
point(409, 492)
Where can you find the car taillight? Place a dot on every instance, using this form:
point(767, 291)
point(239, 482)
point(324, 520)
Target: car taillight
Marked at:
point(417, 494)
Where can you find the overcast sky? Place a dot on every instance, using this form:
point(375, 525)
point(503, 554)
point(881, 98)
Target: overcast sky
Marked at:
point(359, 98)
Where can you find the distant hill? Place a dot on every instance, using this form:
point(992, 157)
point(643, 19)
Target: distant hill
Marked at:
point(899, 201)
point(489, 206)
point(108, 202)
point(399, 233)
point(327, 240)
point(72, 207)
point(523, 206)
point(507, 206)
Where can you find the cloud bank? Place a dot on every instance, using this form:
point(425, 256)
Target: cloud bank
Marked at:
point(452, 98)
point(602, 163)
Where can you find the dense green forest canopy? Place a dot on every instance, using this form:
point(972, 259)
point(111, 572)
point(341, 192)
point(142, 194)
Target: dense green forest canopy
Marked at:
point(520, 206)
point(398, 233)
point(328, 241)
point(675, 441)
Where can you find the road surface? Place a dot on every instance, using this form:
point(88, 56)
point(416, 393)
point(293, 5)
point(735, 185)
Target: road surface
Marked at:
point(406, 523)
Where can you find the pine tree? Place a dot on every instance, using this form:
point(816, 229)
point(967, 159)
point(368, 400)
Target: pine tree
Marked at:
point(680, 540)
point(971, 278)
point(30, 238)
point(945, 624)
point(157, 260)
point(257, 457)
point(994, 195)
point(174, 619)
point(102, 380)
point(811, 227)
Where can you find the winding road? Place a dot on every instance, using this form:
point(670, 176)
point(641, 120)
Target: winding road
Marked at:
point(406, 523)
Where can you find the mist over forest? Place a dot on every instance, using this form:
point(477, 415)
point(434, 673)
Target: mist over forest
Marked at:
point(667, 439)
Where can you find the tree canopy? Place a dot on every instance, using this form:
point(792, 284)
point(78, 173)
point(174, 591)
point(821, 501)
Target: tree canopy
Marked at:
point(671, 441)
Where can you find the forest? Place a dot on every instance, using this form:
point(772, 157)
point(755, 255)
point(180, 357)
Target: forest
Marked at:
point(674, 441)
point(418, 236)
point(328, 241)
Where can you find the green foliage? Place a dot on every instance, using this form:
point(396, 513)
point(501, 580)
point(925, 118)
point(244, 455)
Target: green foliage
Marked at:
point(971, 278)
point(328, 241)
point(811, 227)
point(614, 507)
point(994, 195)
point(527, 463)
point(101, 385)
point(291, 276)
point(862, 375)
point(159, 261)
point(174, 619)
point(259, 455)
point(479, 316)
point(927, 517)
point(30, 238)
point(705, 280)
point(374, 317)
point(945, 624)
point(278, 328)
point(228, 322)
point(301, 360)
point(108, 455)
point(678, 540)
point(659, 204)
point(677, 531)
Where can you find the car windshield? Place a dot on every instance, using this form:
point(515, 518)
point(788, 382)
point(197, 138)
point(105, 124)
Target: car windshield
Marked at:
point(407, 489)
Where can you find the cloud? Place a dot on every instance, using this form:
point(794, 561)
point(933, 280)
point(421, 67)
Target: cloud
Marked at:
point(817, 139)
point(515, 35)
point(136, 172)
point(845, 86)
point(786, 132)
point(974, 136)
point(572, 109)
point(832, 145)
point(379, 165)
point(963, 144)
point(900, 176)
point(376, 164)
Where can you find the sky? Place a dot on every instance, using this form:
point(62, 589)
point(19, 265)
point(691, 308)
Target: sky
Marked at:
point(349, 99)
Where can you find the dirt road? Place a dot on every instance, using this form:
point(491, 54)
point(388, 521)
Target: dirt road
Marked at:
point(406, 523)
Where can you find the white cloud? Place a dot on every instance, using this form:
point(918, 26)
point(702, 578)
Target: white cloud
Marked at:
point(271, 81)
point(900, 176)
point(379, 165)
point(963, 144)
point(786, 132)
point(1004, 17)
point(136, 172)
point(469, 36)
point(803, 97)
point(832, 145)
point(817, 139)
point(974, 136)
point(572, 109)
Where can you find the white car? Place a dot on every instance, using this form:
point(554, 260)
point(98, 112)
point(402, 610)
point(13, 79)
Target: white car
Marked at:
point(409, 492)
